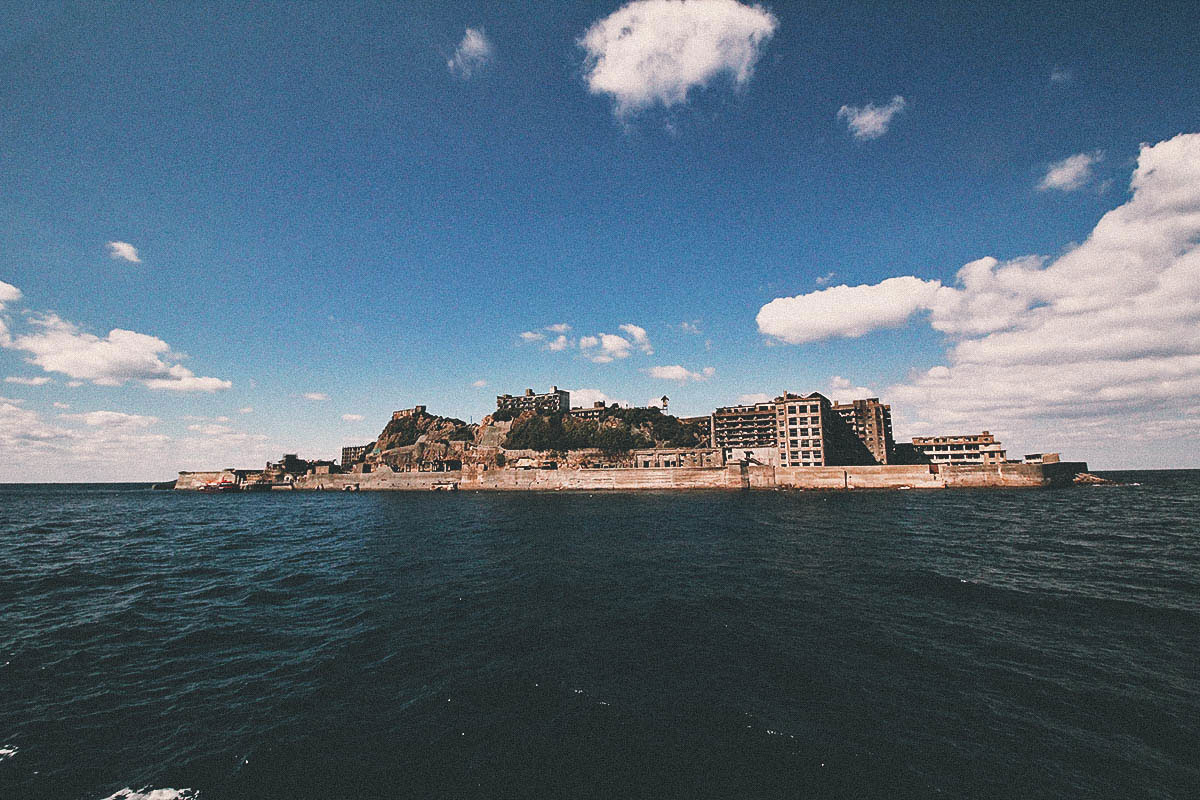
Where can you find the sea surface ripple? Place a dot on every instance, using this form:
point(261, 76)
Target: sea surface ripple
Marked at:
point(704, 644)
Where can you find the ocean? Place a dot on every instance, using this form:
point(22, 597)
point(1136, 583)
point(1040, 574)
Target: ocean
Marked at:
point(953, 643)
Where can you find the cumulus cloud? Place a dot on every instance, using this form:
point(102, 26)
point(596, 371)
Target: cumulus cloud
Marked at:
point(1099, 345)
point(606, 347)
point(560, 327)
point(473, 53)
point(352, 418)
point(654, 52)
point(318, 396)
point(123, 251)
point(1071, 173)
point(638, 336)
point(871, 121)
point(843, 389)
point(847, 311)
point(675, 372)
point(8, 294)
point(57, 345)
point(559, 343)
point(39, 381)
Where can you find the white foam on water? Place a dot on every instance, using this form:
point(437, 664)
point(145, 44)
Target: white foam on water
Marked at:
point(7, 752)
point(146, 793)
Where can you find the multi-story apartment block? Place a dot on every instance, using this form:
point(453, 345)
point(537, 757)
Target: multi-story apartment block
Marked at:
point(353, 454)
point(745, 427)
point(812, 434)
point(805, 430)
point(552, 401)
point(871, 421)
point(595, 412)
point(978, 448)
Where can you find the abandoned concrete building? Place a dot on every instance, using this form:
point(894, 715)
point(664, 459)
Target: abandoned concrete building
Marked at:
point(871, 421)
point(976, 448)
point(552, 401)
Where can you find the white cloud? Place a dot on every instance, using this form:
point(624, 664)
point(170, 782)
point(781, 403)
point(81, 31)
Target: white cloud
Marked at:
point(8, 294)
point(246, 410)
point(123, 251)
point(611, 347)
point(479, 384)
point(74, 384)
point(1097, 348)
point(111, 419)
point(586, 398)
point(826, 279)
point(39, 381)
point(61, 405)
point(57, 345)
point(211, 429)
point(560, 343)
point(532, 336)
point(352, 418)
point(560, 327)
point(871, 121)
point(1071, 173)
point(846, 310)
point(1060, 75)
point(473, 53)
point(318, 396)
point(653, 52)
point(844, 390)
point(639, 337)
point(675, 372)
point(690, 327)
point(588, 341)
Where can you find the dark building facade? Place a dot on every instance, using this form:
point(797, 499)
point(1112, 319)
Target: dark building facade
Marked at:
point(552, 401)
point(871, 421)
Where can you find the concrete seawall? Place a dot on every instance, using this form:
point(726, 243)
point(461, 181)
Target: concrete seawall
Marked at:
point(733, 476)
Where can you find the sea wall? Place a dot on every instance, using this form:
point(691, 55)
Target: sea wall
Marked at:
point(194, 480)
point(733, 476)
point(921, 476)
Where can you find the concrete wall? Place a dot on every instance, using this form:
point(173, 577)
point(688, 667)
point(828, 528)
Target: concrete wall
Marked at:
point(194, 480)
point(733, 476)
point(874, 476)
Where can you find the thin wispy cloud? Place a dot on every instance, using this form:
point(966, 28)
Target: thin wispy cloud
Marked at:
point(871, 121)
point(1072, 173)
point(123, 251)
point(1060, 76)
point(473, 53)
point(39, 381)
point(654, 52)
point(676, 372)
point(315, 396)
point(352, 418)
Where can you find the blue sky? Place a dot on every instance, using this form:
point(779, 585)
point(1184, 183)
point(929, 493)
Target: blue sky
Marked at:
point(372, 202)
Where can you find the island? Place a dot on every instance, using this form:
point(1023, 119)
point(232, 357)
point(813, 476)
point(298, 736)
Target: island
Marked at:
point(539, 442)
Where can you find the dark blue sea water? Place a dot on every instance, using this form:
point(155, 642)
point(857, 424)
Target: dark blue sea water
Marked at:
point(1040, 643)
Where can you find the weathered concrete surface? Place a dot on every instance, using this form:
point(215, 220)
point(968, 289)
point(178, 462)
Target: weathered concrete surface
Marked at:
point(194, 480)
point(733, 476)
